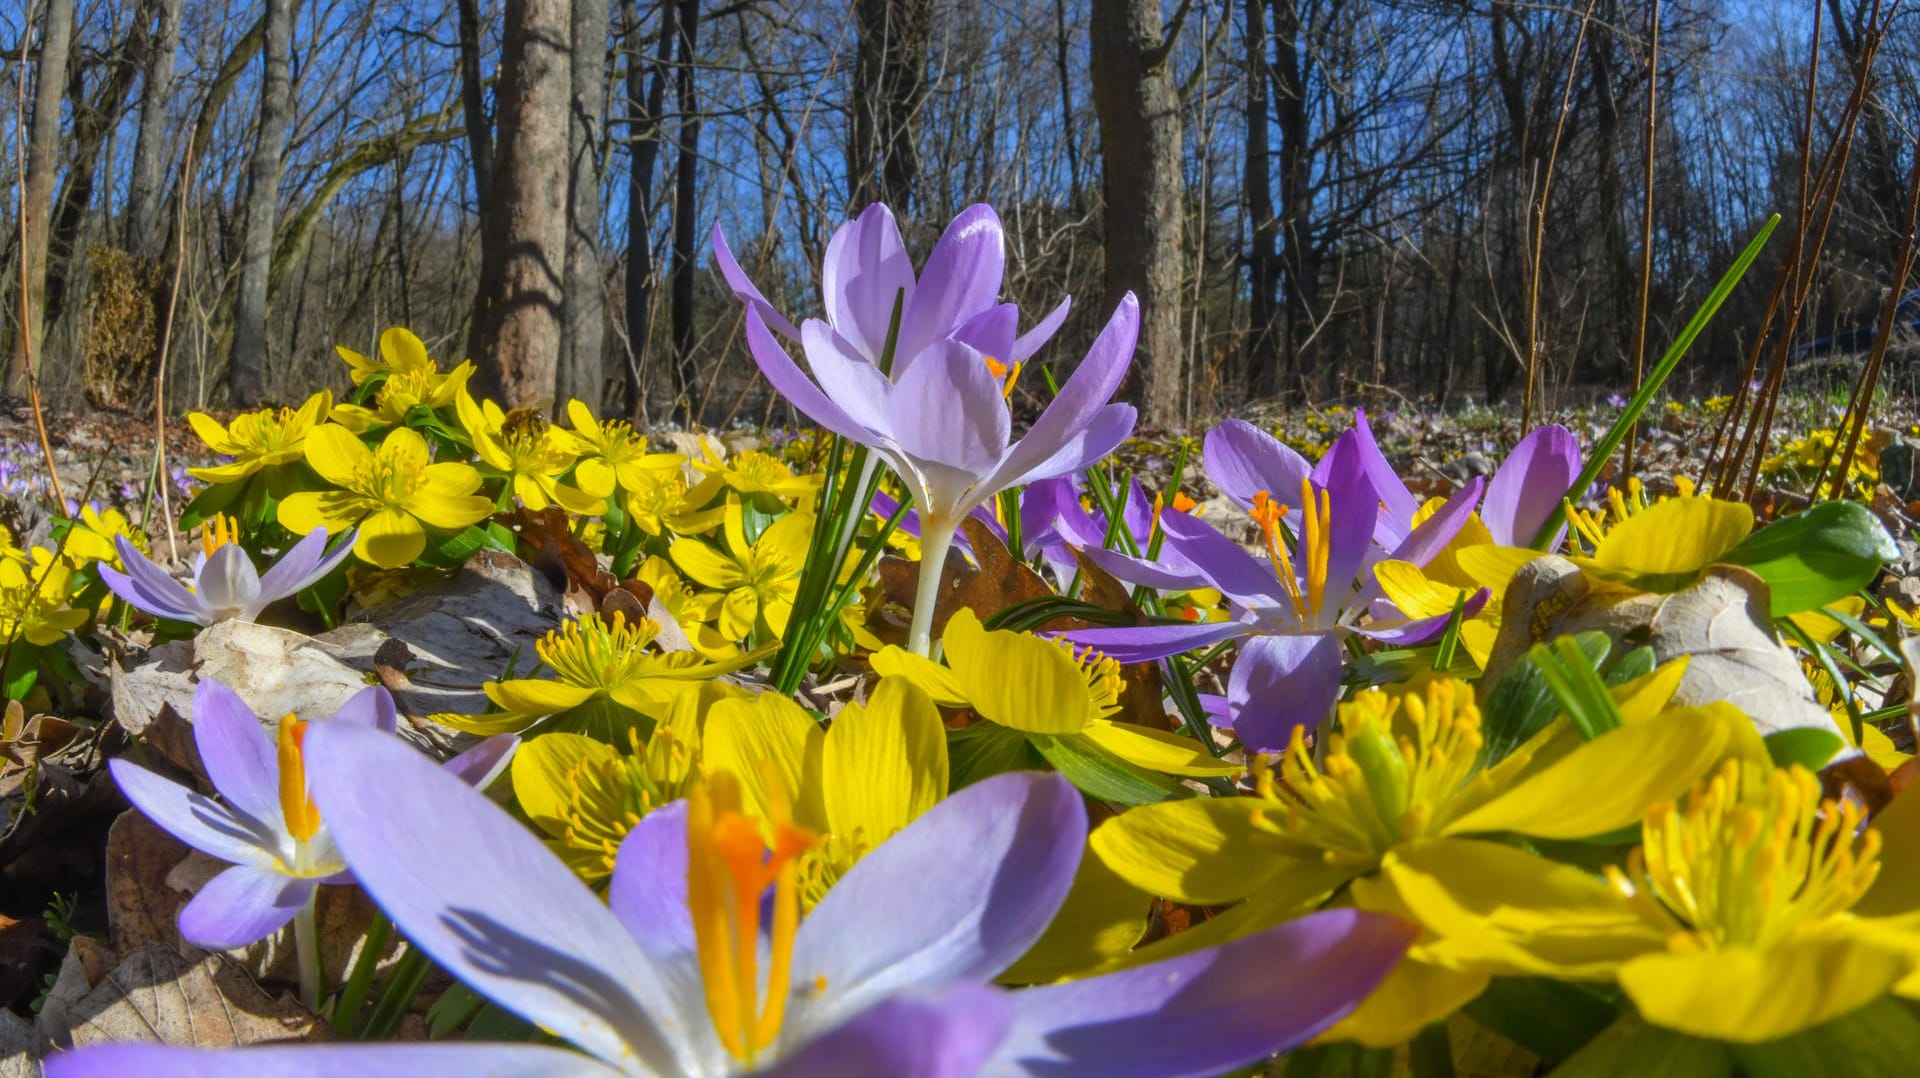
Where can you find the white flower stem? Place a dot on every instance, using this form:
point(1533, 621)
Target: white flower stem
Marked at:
point(936, 535)
point(306, 950)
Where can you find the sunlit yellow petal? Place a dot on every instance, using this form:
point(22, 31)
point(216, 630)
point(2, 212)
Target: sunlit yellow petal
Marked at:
point(390, 539)
point(746, 736)
point(705, 565)
point(335, 453)
point(1195, 850)
point(1678, 535)
point(1413, 996)
point(936, 680)
point(1897, 889)
point(1406, 587)
point(1747, 994)
point(335, 510)
point(884, 763)
point(529, 697)
point(1017, 679)
point(539, 772)
point(1157, 750)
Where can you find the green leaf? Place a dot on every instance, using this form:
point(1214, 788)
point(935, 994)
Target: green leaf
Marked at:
point(1100, 774)
point(984, 750)
point(463, 544)
point(1631, 1046)
point(1523, 703)
point(210, 500)
point(1808, 746)
point(603, 720)
point(1342, 1060)
point(1814, 558)
point(1636, 663)
point(1575, 680)
point(1551, 1019)
point(22, 670)
point(1880, 1040)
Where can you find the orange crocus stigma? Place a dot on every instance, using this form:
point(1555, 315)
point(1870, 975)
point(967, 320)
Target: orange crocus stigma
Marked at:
point(1008, 375)
point(1315, 547)
point(729, 867)
point(296, 801)
point(218, 531)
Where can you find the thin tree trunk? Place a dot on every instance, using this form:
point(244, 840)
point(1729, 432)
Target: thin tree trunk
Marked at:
point(1299, 261)
point(152, 143)
point(1075, 199)
point(889, 87)
point(1263, 354)
point(473, 103)
point(517, 317)
point(43, 153)
point(247, 372)
point(686, 207)
point(645, 103)
point(1139, 111)
point(582, 373)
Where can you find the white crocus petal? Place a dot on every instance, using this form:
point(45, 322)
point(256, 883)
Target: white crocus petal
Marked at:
point(227, 583)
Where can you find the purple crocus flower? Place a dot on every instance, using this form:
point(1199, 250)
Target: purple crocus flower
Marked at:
point(889, 972)
point(1529, 485)
point(1293, 611)
point(939, 416)
point(264, 825)
point(225, 583)
point(1054, 521)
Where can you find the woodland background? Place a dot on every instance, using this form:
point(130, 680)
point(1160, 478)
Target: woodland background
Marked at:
point(1316, 199)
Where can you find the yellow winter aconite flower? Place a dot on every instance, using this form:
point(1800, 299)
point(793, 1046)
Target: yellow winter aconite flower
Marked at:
point(33, 599)
point(1751, 911)
point(677, 597)
point(91, 538)
point(749, 583)
point(267, 438)
point(663, 503)
point(1661, 546)
point(400, 352)
point(1044, 689)
point(597, 661)
point(402, 392)
point(873, 771)
point(522, 447)
point(1403, 771)
point(585, 795)
point(754, 472)
point(392, 494)
point(611, 454)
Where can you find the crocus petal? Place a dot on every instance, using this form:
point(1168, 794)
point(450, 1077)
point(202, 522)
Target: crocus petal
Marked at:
point(372, 707)
point(228, 582)
point(481, 764)
point(1280, 682)
point(865, 268)
point(443, 1059)
point(1421, 630)
point(744, 288)
point(1161, 574)
point(200, 822)
point(956, 896)
point(149, 588)
point(991, 332)
point(1229, 567)
point(1358, 516)
point(1243, 460)
point(1210, 1011)
point(1146, 643)
point(787, 379)
point(1528, 485)
point(242, 905)
point(1036, 338)
point(854, 383)
point(948, 1034)
point(1100, 436)
point(304, 565)
point(1357, 450)
point(947, 411)
point(239, 757)
point(1434, 533)
point(961, 278)
point(477, 891)
point(1080, 400)
point(648, 893)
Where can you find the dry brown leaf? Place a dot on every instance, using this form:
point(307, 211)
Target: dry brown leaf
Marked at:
point(1721, 624)
point(548, 544)
point(155, 994)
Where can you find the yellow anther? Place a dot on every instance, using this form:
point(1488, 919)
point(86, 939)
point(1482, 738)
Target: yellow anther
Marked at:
point(296, 802)
point(1316, 547)
point(1008, 375)
point(218, 531)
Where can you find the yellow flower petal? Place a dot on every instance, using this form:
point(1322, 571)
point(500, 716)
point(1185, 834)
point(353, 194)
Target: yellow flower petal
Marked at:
point(1413, 996)
point(743, 736)
point(1896, 890)
point(1017, 679)
point(885, 763)
point(534, 697)
point(335, 510)
point(449, 511)
point(705, 565)
point(390, 539)
point(1102, 918)
point(539, 772)
point(1607, 783)
point(934, 679)
point(1750, 994)
point(1678, 535)
point(212, 432)
point(334, 452)
point(1157, 750)
point(1406, 587)
point(1199, 850)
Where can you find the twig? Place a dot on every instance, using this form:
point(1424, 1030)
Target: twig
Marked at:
point(166, 339)
point(1646, 230)
point(26, 320)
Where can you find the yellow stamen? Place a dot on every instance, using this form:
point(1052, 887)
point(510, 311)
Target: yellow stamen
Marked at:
point(1316, 545)
point(1008, 375)
point(296, 802)
point(729, 868)
point(218, 531)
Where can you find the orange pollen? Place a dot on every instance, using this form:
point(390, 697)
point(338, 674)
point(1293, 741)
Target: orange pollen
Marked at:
point(219, 530)
point(296, 801)
point(1182, 503)
point(1315, 546)
point(1008, 375)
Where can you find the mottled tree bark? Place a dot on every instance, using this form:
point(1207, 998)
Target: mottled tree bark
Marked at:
point(43, 161)
point(144, 221)
point(646, 99)
point(517, 315)
point(889, 87)
point(473, 106)
point(1299, 253)
point(584, 309)
point(247, 369)
point(686, 209)
point(1139, 111)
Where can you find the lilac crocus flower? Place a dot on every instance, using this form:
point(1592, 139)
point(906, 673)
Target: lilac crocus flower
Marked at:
point(889, 971)
point(1529, 485)
point(1293, 611)
point(225, 583)
point(939, 416)
point(265, 825)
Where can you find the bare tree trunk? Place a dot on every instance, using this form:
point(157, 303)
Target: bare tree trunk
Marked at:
point(473, 104)
point(43, 153)
point(517, 326)
point(889, 87)
point(1075, 199)
point(144, 222)
point(247, 370)
point(1139, 111)
point(582, 368)
point(645, 103)
point(686, 207)
point(1262, 355)
point(1299, 261)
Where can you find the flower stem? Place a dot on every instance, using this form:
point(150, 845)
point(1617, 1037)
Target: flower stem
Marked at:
point(936, 535)
point(306, 949)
